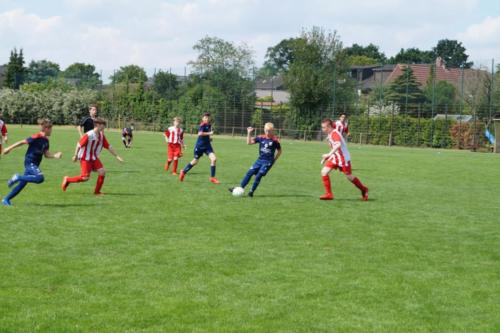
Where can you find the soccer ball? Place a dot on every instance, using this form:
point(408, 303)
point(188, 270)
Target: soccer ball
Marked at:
point(238, 191)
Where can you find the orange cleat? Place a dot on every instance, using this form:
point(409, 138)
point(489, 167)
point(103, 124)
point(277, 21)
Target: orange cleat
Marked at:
point(365, 195)
point(181, 177)
point(326, 197)
point(65, 184)
point(214, 180)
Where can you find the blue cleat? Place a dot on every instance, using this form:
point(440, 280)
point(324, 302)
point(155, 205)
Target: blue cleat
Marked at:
point(13, 180)
point(6, 202)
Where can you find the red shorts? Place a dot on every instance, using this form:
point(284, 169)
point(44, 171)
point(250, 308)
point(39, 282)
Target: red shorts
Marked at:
point(89, 166)
point(174, 150)
point(346, 169)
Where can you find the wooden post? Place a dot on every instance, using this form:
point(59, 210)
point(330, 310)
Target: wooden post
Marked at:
point(497, 135)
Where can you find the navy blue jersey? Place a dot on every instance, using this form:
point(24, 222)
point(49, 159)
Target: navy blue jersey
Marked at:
point(204, 141)
point(38, 144)
point(267, 147)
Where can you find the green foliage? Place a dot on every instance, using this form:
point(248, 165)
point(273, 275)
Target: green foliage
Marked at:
point(406, 92)
point(370, 51)
point(16, 72)
point(361, 60)
point(280, 57)
point(42, 71)
point(453, 53)
point(130, 73)
point(443, 95)
point(413, 56)
point(82, 76)
point(166, 85)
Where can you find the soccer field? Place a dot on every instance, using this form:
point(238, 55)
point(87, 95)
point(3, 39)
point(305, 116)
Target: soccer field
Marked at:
point(157, 255)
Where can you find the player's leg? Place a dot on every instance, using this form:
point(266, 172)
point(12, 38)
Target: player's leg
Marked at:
point(176, 165)
point(213, 162)
point(170, 157)
point(264, 169)
point(189, 166)
point(325, 174)
point(254, 169)
point(356, 182)
point(124, 140)
point(86, 169)
point(100, 178)
point(32, 174)
point(15, 191)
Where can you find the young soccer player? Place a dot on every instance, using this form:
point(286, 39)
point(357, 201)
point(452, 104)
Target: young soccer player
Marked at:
point(174, 137)
point(342, 125)
point(269, 152)
point(203, 146)
point(3, 134)
point(337, 159)
point(38, 147)
point(87, 123)
point(88, 151)
point(127, 137)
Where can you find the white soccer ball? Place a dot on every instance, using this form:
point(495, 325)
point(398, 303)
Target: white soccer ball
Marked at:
point(238, 191)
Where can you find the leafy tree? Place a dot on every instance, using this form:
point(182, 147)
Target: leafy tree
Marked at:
point(16, 72)
point(413, 56)
point(406, 92)
point(281, 56)
point(453, 53)
point(82, 76)
point(166, 85)
point(443, 94)
point(319, 65)
point(370, 51)
point(361, 60)
point(42, 71)
point(130, 73)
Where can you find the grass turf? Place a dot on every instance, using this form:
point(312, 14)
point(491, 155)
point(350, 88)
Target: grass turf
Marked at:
point(156, 255)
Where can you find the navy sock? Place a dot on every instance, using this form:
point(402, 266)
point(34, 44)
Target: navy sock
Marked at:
point(187, 168)
point(15, 191)
point(212, 170)
point(256, 182)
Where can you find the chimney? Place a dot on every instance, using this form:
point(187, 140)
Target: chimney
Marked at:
point(440, 63)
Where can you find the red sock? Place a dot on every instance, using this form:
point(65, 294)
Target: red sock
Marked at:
point(98, 185)
point(176, 163)
point(358, 184)
point(327, 184)
point(167, 165)
point(77, 179)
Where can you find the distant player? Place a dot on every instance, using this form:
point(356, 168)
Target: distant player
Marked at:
point(342, 125)
point(337, 159)
point(38, 147)
point(269, 152)
point(128, 137)
point(88, 151)
point(174, 137)
point(87, 123)
point(3, 134)
point(203, 147)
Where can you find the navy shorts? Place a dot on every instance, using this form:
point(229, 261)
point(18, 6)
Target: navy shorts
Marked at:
point(262, 167)
point(200, 151)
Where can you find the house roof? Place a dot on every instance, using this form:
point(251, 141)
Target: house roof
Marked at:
point(270, 83)
point(454, 117)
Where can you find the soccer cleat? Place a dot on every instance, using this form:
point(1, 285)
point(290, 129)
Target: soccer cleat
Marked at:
point(182, 175)
point(214, 180)
point(326, 197)
point(166, 167)
point(14, 179)
point(6, 202)
point(250, 194)
point(231, 189)
point(65, 184)
point(365, 195)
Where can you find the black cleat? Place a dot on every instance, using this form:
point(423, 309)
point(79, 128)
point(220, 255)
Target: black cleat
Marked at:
point(230, 189)
point(250, 194)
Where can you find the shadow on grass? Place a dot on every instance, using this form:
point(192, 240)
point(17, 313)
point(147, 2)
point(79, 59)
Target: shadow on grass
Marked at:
point(61, 205)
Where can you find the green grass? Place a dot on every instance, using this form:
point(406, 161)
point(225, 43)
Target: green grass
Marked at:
point(156, 255)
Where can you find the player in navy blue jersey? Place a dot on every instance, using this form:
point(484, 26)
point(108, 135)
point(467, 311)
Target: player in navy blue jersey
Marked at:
point(38, 147)
point(269, 152)
point(203, 147)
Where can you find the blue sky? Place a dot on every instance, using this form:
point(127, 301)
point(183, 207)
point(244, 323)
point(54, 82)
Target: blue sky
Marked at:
point(160, 34)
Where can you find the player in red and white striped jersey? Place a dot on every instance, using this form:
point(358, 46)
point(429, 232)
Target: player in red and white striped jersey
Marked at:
point(337, 159)
point(88, 151)
point(342, 126)
point(3, 134)
point(174, 137)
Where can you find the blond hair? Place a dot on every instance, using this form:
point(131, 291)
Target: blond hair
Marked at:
point(269, 126)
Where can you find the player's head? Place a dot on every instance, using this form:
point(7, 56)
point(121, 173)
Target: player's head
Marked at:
point(342, 117)
point(326, 125)
point(45, 126)
point(93, 110)
point(206, 118)
point(100, 124)
point(269, 128)
point(177, 121)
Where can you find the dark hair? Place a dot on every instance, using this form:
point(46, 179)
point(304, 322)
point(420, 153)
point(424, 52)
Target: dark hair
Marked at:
point(343, 114)
point(206, 114)
point(327, 121)
point(93, 105)
point(45, 123)
point(100, 121)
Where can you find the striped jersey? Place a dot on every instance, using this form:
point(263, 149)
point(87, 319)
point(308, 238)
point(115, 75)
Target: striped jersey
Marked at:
point(91, 145)
point(341, 157)
point(175, 135)
point(342, 127)
point(3, 130)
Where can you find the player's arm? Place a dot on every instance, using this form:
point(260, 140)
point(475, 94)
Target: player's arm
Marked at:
point(250, 139)
point(14, 146)
point(278, 154)
point(49, 154)
point(80, 130)
point(5, 135)
point(334, 149)
point(115, 154)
